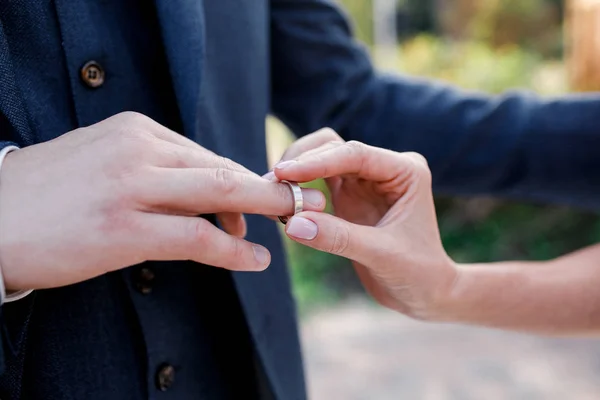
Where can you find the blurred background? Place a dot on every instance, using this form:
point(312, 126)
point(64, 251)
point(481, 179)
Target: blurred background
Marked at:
point(356, 350)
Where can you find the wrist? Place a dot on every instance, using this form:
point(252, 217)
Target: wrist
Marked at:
point(440, 300)
point(453, 301)
point(446, 300)
point(483, 294)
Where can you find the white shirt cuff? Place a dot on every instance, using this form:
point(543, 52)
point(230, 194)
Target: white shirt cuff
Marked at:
point(8, 297)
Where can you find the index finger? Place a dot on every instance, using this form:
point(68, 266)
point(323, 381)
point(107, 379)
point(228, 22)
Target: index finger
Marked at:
point(352, 158)
point(310, 142)
point(215, 190)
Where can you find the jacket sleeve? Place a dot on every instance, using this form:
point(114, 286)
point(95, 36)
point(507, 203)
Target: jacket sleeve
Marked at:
point(514, 145)
point(14, 323)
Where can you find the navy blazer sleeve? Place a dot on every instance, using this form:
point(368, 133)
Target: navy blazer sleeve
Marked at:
point(515, 145)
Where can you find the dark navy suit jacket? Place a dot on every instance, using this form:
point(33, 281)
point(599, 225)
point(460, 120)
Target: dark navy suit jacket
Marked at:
point(232, 62)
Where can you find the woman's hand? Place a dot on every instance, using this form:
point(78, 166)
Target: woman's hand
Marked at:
point(386, 224)
point(385, 221)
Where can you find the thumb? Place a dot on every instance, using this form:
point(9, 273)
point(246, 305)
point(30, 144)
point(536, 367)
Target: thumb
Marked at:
point(333, 235)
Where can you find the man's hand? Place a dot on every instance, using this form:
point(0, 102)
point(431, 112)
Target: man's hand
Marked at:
point(124, 191)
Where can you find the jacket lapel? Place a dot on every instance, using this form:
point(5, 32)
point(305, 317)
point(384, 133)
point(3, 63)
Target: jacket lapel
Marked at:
point(182, 27)
point(13, 115)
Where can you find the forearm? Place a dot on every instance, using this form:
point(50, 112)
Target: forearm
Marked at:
point(516, 145)
point(558, 297)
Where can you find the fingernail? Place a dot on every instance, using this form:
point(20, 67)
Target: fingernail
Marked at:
point(285, 164)
point(270, 176)
point(314, 197)
point(302, 228)
point(261, 255)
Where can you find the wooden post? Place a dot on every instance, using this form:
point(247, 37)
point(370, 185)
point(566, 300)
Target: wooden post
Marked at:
point(385, 41)
point(582, 40)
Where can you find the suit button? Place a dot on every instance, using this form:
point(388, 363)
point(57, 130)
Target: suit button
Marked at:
point(144, 280)
point(165, 377)
point(92, 74)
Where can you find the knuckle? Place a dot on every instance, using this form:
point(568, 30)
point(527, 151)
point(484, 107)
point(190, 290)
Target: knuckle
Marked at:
point(341, 240)
point(199, 230)
point(134, 128)
point(418, 158)
point(420, 165)
point(331, 133)
point(238, 250)
point(355, 148)
point(133, 139)
point(226, 181)
point(355, 145)
point(133, 117)
point(129, 124)
point(356, 152)
point(228, 164)
point(333, 144)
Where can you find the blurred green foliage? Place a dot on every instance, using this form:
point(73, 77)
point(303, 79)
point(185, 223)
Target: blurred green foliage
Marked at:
point(360, 12)
point(469, 64)
point(534, 25)
point(473, 230)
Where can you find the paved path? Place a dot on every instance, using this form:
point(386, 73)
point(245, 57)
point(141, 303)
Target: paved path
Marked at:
point(361, 352)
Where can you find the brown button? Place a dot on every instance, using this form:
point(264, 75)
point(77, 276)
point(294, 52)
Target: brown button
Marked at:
point(92, 74)
point(144, 280)
point(165, 377)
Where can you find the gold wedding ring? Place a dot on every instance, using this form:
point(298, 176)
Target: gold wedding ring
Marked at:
point(298, 200)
